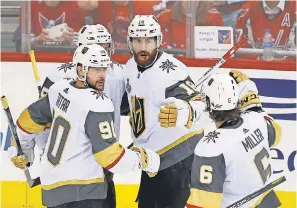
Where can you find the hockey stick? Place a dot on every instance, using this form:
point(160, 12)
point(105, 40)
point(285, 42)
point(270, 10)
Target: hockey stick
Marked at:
point(257, 193)
point(35, 70)
point(227, 56)
point(31, 182)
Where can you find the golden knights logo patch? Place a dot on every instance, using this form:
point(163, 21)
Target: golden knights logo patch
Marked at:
point(99, 94)
point(66, 66)
point(211, 136)
point(167, 66)
point(138, 116)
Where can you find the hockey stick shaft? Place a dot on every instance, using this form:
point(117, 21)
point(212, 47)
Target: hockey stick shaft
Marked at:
point(227, 56)
point(31, 182)
point(257, 193)
point(11, 124)
point(35, 70)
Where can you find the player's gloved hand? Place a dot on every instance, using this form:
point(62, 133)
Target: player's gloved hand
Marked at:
point(21, 161)
point(248, 91)
point(175, 112)
point(238, 76)
point(150, 161)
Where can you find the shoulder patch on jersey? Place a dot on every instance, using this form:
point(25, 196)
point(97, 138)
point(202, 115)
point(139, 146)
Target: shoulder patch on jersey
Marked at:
point(66, 66)
point(99, 94)
point(98, 101)
point(213, 144)
point(167, 66)
point(211, 136)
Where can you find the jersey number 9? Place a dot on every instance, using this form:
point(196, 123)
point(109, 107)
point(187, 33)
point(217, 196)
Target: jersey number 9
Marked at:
point(107, 130)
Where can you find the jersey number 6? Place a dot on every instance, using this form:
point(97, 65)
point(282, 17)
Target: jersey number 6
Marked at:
point(265, 173)
point(206, 174)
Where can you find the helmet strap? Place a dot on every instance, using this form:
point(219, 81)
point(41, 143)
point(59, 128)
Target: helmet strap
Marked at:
point(84, 78)
point(207, 101)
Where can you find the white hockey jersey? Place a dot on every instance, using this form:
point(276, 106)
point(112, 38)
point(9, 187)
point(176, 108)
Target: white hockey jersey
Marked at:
point(113, 87)
point(146, 91)
point(232, 162)
point(82, 141)
point(65, 70)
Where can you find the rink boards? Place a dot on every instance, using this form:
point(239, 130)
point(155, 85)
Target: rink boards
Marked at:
point(278, 90)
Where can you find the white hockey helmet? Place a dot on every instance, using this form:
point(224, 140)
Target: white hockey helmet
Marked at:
point(144, 26)
point(95, 34)
point(221, 92)
point(91, 56)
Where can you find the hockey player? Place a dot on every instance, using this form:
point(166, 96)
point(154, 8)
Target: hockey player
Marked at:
point(151, 76)
point(82, 139)
point(219, 175)
point(114, 87)
point(114, 84)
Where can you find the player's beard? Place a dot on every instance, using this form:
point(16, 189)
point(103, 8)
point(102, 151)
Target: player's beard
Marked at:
point(98, 85)
point(144, 58)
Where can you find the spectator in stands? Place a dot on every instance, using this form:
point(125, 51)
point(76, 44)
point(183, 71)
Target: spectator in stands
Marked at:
point(229, 10)
point(277, 16)
point(163, 4)
point(47, 22)
point(116, 16)
point(173, 22)
point(89, 8)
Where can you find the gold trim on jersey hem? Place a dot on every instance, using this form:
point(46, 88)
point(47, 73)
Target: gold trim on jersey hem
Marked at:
point(179, 141)
point(72, 182)
point(207, 199)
